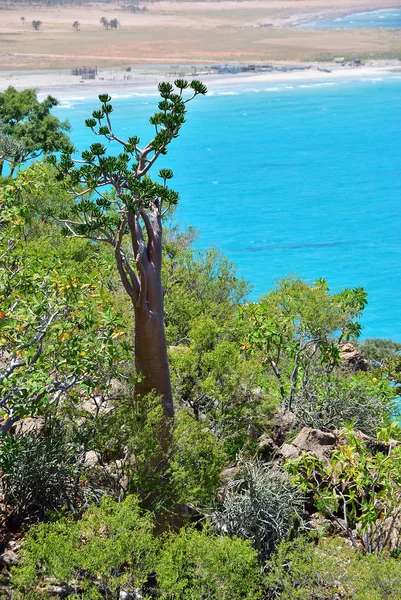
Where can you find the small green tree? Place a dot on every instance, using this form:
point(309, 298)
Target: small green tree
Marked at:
point(297, 324)
point(58, 327)
point(114, 23)
point(36, 25)
point(30, 126)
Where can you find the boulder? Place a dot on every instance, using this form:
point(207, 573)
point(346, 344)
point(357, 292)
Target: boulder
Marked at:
point(352, 358)
point(312, 441)
point(289, 452)
point(32, 425)
point(9, 558)
point(91, 459)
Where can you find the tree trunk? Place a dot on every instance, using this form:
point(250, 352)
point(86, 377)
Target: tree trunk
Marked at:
point(151, 360)
point(145, 289)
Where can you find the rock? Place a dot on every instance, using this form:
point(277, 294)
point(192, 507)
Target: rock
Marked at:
point(289, 451)
point(288, 419)
point(91, 459)
point(352, 358)
point(9, 558)
point(312, 441)
point(229, 474)
point(58, 590)
point(30, 425)
point(266, 447)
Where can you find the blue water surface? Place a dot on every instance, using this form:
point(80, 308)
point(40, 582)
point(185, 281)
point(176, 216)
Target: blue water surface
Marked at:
point(289, 179)
point(388, 18)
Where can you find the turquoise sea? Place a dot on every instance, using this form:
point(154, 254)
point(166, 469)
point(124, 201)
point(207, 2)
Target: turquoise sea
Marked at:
point(388, 18)
point(289, 178)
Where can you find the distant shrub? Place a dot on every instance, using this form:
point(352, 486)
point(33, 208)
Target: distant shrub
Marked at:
point(378, 350)
point(195, 565)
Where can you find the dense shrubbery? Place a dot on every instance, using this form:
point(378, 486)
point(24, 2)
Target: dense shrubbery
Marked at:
point(113, 548)
point(329, 569)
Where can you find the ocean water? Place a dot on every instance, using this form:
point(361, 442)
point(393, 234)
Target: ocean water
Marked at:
point(389, 18)
point(300, 179)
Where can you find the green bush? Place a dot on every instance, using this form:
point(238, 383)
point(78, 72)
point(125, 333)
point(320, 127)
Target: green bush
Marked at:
point(375, 577)
point(111, 548)
point(40, 473)
point(197, 461)
point(300, 570)
point(195, 565)
point(330, 570)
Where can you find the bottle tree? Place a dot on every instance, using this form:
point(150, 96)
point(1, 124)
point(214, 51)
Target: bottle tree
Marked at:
point(117, 202)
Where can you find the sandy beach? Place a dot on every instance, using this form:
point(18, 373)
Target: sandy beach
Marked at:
point(138, 80)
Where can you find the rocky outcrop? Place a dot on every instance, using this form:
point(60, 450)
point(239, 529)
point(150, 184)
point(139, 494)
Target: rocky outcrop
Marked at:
point(352, 358)
point(312, 441)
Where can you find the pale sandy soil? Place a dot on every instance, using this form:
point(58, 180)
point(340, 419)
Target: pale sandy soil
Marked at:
point(187, 32)
point(119, 82)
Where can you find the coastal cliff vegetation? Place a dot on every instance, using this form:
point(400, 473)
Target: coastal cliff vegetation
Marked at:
point(161, 436)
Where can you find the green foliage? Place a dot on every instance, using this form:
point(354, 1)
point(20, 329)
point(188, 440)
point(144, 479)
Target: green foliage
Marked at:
point(359, 489)
point(260, 506)
point(58, 324)
point(126, 438)
point(307, 569)
point(197, 461)
point(195, 565)
point(40, 473)
point(375, 577)
point(299, 323)
point(379, 350)
point(219, 384)
point(30, 124)
point(197, 284)
point(128, 433)
point(110, 548)
point(302, 570)
point(113, 548)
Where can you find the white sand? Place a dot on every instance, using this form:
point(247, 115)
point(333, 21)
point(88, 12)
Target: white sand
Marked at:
point(62, 84)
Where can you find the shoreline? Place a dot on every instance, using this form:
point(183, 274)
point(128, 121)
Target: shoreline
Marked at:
point(326, 15)
point(63, 85)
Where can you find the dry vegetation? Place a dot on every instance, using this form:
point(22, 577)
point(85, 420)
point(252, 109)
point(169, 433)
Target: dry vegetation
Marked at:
point(185, 32)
